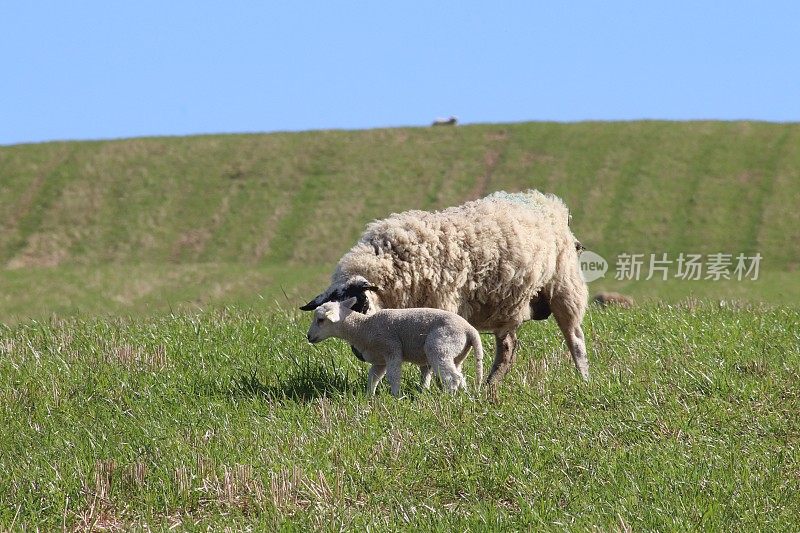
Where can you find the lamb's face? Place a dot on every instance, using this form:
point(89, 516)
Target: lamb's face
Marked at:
point(322, 325)
point(354, 287)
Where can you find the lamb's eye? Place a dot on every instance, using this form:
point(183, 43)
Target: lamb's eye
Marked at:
point(320, 320)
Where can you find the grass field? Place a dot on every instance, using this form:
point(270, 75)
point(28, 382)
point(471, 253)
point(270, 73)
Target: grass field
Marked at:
point(229, 418)
point(154, 372)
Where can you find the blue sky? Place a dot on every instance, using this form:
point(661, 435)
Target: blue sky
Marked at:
point(92, 70)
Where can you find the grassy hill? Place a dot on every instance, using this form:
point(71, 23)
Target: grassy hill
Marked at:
point(141, 225)
point(228, 418)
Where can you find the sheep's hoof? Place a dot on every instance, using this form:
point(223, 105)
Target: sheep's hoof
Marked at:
point(493, 393)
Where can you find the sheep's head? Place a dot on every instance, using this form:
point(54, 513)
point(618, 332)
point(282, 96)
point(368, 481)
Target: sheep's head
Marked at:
point(326, 316)
point(354, 287)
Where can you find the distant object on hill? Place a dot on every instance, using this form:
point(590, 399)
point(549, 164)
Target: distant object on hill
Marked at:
point(606, 299)
point(452, 121)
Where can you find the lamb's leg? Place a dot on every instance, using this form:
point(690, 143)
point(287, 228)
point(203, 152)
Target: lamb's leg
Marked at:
point(443, 357)
point(394, 373)
point(463, 382)
point(376, 373)
point(448, 373)
point(505, 350)
point(568, 310)
point(459, 362)
point(425, 374)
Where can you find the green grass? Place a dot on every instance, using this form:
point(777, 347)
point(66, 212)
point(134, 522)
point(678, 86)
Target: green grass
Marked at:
point(152, 289)
point(242, 205)
point(228, 418)
point(154, 373)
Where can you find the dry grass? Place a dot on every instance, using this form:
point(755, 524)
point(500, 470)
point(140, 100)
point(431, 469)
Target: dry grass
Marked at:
point(220, 489)
point(134, 357)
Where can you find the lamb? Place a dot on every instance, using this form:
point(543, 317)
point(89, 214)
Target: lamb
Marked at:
point(435, 340)
point(498, 262)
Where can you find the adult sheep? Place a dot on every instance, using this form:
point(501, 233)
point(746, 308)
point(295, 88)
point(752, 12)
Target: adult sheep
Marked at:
point(497, 262)
point(452, 121)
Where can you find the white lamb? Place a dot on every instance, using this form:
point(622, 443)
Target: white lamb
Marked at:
point(438, 341)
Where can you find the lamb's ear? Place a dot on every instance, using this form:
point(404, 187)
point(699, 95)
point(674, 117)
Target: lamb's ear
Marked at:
point(349, 303)
point(332, 314)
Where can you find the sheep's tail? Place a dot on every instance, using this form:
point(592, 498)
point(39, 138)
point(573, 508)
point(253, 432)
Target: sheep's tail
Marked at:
point(474, 340)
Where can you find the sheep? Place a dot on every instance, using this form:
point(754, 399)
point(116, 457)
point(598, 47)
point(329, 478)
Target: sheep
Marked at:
point(498, 261)
point(436, 340)
point(452, 121)
point(606, 299)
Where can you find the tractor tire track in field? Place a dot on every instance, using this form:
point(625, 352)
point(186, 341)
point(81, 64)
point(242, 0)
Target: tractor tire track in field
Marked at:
point(31, 207)
point(773, 166)
point(492, 158)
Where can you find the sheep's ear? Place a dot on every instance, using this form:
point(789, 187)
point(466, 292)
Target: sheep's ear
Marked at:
point(316, 302)
point(349, 303)
point(313, 304)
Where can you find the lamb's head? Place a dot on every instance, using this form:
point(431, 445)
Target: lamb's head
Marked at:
point(356, 287)
point(326, 318)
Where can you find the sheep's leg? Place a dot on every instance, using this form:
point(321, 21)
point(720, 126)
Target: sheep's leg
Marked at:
point(425, 374)
point(376, 373)
point(394, 373)
point(505, 351)
point(568, 312)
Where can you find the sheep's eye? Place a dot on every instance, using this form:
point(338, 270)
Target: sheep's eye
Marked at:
point(320, 320)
